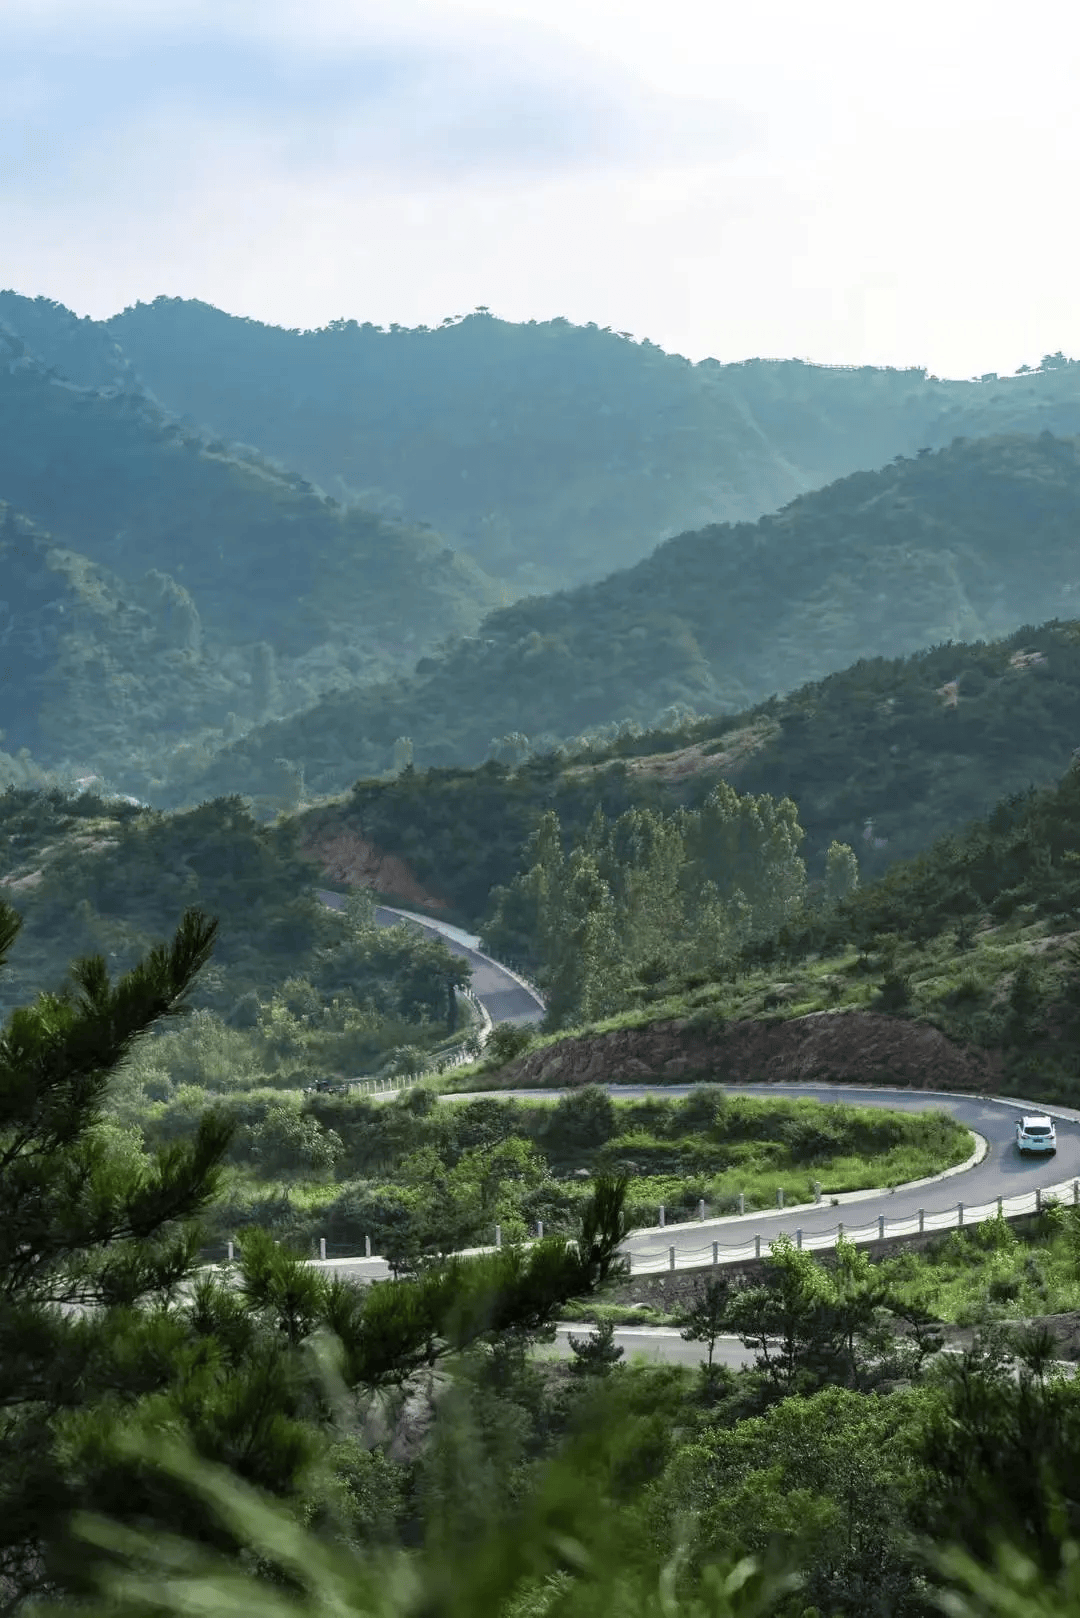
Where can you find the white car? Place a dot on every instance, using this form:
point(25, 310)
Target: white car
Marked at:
point(1036, 1134)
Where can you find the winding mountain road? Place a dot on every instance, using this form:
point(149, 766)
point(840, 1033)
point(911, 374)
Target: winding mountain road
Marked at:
point(504, 996)
point(995, 1171)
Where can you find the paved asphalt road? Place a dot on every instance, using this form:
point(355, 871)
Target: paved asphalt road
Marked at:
point(504, 997)
point(1000, 1173)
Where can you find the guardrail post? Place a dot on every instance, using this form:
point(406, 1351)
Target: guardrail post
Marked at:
point(817, 1190)
point(322, 1246)
point(757, 1246)
point(798, 1240)
point(779, 1196)
point(661, 1216)
point(701, 1208)
point(881, 1227)
point(1038, 1199)
point(671, 1258)
point(839, 1232)
point(498, 1235)
point(1076, 1191)
point(230, 1246)
point(539, 1230)
point(716, 1252)
point(367, 1246)
point(959, 1214)
point(742, 1202)
point(922, 1220)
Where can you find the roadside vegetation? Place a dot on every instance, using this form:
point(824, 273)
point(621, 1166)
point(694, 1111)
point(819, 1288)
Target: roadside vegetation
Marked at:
point(298, 991)
point(415, 1178)
point(998, 1273)
point(979, 937)
point(278, 1441)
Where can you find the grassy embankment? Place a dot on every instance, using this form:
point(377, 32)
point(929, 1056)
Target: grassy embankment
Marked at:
point(439, 1176)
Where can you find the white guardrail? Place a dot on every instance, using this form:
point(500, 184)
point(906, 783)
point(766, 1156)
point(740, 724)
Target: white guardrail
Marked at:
point(925, 1221)
point(957, 1216)
point(455, 1056)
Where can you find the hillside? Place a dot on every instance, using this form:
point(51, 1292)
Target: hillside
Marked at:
point(959, 969)
point(295, 989)
point(886, 756)
point(962, 545)
point(553, 453)
point(160, 589)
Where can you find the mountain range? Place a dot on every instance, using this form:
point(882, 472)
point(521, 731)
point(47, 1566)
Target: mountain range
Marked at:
point(964, 545)
point(219, 574)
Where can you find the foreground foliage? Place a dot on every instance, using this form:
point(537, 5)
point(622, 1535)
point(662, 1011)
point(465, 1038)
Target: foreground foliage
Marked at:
point(104, 1319)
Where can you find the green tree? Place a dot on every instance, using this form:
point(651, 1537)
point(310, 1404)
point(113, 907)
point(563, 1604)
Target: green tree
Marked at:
point(704, 1318)
point(841, 872)
point(287, 1139)
point(598, 1353)
point(360, 911)
point(92, 1245)
point(748, 846)
point(641, 856)
point(506, 1042)
point(580, 1122)
point(581, 946)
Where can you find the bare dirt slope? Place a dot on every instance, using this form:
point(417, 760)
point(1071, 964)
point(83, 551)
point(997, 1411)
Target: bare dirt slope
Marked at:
point(346, 855)
point(846, 1046)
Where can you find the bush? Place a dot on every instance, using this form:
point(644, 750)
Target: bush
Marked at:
point(289, 1140)
point(506, 1042)
point(580, 1122)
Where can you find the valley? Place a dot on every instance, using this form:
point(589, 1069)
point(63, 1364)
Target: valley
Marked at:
point(505, 778)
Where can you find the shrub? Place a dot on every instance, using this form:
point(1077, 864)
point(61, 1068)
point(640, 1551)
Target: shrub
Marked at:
point(580, 1122)
point(505, 1042)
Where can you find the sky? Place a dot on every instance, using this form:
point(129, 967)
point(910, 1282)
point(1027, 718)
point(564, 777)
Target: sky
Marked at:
point(845, 182)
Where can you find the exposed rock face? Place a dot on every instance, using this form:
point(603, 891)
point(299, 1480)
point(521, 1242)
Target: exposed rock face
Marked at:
point(346, 855)
point(855, 1047)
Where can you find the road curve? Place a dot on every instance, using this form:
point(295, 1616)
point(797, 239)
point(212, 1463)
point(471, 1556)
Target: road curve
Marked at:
point(504, 996)
point(999, 1173)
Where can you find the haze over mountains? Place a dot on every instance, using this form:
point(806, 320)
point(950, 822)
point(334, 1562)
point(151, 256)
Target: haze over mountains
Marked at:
point(219, 577)
point(553, 453)
point(965, 545)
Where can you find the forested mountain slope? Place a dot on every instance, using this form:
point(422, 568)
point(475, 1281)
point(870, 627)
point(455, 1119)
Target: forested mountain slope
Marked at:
point(964, 545)
point(885, 756)
point(158, 588)
point(553, 453)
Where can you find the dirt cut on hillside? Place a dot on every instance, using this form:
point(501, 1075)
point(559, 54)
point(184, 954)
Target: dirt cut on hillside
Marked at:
point(842, 1046)
point(346, 855)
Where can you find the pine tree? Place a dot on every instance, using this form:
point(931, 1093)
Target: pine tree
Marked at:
point(87, 1242)
point(108, 1331)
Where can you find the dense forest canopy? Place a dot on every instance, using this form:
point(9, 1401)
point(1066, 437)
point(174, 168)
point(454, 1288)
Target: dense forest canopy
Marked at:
point(553, 453)
point(964, 545)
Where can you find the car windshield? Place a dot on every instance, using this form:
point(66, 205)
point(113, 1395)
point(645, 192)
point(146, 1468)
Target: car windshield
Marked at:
point(1037, 1129)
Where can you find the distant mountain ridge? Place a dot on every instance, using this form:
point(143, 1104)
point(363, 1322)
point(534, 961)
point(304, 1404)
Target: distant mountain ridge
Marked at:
point(175, 564)
point(554, 454)
point(964, 545)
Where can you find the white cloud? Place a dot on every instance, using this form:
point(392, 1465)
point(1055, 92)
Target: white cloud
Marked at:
point(841, 181)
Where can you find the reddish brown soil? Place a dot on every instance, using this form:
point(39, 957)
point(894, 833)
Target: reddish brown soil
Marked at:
point(346, 855)
point(859, 1047)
